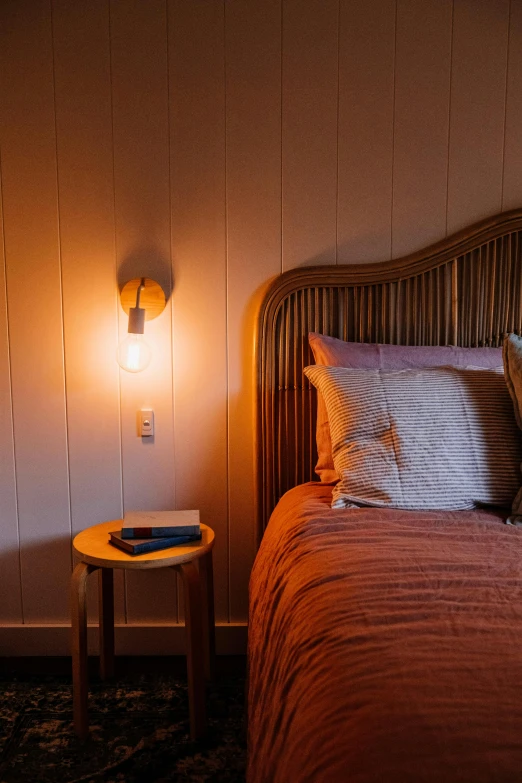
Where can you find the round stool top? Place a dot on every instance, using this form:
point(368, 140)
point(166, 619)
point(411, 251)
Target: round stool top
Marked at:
point(92, 546)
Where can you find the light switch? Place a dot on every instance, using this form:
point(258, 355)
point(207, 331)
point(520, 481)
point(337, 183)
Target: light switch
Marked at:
point(146, 419)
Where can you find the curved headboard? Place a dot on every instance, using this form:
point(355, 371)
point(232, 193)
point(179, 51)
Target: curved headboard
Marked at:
point(465, 290)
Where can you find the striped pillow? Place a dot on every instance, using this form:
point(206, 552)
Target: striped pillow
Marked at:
point(441, 438)
point(512, 354)
point(377, 356)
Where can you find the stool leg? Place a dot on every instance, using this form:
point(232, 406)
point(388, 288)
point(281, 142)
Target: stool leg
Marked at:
point(195, 658)
point(79, 647)
point(106, 611)
point(206, 574)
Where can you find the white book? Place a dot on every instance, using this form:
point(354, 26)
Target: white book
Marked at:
point(152, 524)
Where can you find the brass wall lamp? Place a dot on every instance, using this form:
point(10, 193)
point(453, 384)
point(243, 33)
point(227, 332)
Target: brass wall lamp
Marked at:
point(142, 299)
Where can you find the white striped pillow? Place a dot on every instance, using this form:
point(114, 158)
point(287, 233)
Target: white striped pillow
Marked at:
point(512, 354)
point(441, 438)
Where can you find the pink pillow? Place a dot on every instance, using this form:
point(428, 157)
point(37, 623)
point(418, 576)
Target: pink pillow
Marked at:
point(372, 356)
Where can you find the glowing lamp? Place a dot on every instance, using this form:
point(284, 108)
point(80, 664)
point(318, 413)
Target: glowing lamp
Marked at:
point(134, 353)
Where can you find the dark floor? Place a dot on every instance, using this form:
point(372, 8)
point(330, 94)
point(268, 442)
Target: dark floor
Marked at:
point(125, 665)
point(139, 724)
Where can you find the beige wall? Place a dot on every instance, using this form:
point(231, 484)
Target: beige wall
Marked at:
point(215, 143)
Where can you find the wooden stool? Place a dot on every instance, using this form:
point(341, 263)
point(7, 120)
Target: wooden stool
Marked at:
point(194, 563)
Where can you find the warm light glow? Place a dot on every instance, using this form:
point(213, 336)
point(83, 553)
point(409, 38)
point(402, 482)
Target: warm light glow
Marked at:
point(134, 353)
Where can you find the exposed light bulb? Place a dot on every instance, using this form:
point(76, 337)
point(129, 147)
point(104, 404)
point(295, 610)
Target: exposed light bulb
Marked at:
point(134, 353)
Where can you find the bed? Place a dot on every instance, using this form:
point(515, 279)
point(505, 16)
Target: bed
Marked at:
point(385, 644)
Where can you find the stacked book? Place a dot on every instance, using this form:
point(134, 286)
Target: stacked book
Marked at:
point(150, 531)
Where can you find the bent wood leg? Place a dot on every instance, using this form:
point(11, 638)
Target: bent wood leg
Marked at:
point(206, 574)
point(79, 647)
point(195, 657)
point(106, 611)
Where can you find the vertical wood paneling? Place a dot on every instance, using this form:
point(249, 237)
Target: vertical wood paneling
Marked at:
point(422, 93)
point(11, 603)
point(224, 150)
point(84, 144)
point(512, 184)
point(478, 91)
point(141, 171)
point(309, 131)
point(366, 78)
point(27, 137)
point(253, 84)
point(197, 111)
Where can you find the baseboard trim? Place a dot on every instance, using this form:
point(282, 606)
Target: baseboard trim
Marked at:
point(153, 639)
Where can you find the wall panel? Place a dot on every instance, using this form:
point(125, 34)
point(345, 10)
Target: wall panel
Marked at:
point(421, 123)
point(11, 588)
point(253, 170)
point(141, 175)
point(512, 169)
point(84, 145)
point(477, 110)
point(28, 143)
point(197, 119)
point(366, 98)
point(309, 131)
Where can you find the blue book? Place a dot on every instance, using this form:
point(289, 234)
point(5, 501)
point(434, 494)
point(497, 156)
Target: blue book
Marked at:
point(138, 546)
point(160, 532)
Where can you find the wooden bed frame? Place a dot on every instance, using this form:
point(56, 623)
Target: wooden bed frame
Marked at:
point(465, 290)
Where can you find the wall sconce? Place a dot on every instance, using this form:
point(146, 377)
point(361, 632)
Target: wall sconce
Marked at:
point(142, 299)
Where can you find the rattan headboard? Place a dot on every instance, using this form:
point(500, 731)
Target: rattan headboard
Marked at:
point(465, 290)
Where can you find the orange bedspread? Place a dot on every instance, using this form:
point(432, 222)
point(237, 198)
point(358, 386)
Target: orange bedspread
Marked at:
point(385, 645)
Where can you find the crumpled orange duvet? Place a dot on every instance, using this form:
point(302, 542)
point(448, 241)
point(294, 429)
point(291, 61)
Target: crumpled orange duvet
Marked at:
point(384, 646)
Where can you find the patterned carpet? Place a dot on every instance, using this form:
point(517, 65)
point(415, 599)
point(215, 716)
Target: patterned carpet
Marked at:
point(139, 732)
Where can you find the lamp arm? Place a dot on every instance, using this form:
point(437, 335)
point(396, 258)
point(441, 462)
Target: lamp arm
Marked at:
point(138, 292)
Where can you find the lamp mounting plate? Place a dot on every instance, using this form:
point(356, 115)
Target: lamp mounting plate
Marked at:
point(152, 297)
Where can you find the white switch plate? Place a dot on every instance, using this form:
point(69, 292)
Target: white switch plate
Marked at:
point(146, 422)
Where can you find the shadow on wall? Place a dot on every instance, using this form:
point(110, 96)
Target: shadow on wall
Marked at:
point(325, 258)
point(345, 253)
point(147, 261)
point(249, 383)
